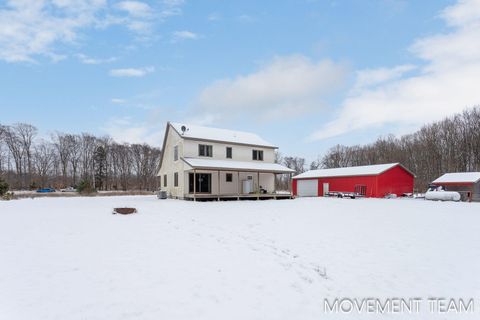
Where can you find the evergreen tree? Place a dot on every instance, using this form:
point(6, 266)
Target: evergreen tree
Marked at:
point(100, 167)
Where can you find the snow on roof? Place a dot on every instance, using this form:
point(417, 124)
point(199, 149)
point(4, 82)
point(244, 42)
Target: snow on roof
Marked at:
point(347, 171)
point(224, 135)
point(461, 177)
point(198, 163)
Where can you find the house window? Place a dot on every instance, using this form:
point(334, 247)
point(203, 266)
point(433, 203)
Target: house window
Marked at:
point(228, 177)
point(257, 155)
point(205, 150)
point(175, 153)
point(175, 179)
point(229, 152)
point(165, 180)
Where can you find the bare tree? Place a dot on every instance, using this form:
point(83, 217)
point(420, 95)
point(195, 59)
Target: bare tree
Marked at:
point(295, 163)
point(44, 156)
point(88, 145)
point(62, 145)
point(74, 145)
point(26, 133)
point(14, 145)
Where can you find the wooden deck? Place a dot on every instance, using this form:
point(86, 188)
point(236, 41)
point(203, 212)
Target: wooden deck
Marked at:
point(230, 197)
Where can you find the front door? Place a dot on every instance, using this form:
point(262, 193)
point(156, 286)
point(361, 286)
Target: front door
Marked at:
point(203, 183)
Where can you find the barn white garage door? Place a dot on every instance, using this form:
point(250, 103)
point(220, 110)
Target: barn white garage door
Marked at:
point(307, 188)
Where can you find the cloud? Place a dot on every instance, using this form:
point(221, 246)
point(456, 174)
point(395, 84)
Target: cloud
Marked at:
point(140, 17)
point(246, 18)
point(184, 35)
point(33, 28)
point(126, 130)
point(446, 83)
point(171, 8)
point(89, 60)
point(287, 86)
point(132, 72)
point(118, 101)
point(214, 16)
point(150, 130)
point(135, 8)
point(373, 77)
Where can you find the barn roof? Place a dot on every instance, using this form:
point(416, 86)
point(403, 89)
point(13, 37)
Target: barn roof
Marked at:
point(211, 164)
point(221, 135)
point(459, 177)
point(349, 171)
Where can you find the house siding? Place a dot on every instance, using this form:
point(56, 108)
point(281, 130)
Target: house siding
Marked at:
point(239, 152)
point(169, 166)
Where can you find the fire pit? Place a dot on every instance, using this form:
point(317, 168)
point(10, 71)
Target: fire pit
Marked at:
point(124, 210)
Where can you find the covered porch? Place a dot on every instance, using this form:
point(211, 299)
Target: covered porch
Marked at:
point(208, 179)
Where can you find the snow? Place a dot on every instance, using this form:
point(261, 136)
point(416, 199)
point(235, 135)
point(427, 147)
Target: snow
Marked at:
point(224, 135)
point(70, 258)
point(461, 177)
point(199, 163)
point(347, 171)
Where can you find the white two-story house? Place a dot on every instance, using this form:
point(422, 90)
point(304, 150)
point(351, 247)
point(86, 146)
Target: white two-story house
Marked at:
point(209, 163)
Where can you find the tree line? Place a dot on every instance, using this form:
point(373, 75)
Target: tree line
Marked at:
point(28, 162)
point(66, 160)
point(450, 145)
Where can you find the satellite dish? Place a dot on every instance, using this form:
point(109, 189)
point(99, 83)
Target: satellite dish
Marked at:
point(183, 129)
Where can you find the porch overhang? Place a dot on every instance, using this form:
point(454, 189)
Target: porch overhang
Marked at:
point(231, 165)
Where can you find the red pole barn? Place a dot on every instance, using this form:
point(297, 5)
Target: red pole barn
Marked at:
point(375, 181)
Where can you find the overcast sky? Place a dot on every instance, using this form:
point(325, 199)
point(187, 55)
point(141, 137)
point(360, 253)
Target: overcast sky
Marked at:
point(305, 75)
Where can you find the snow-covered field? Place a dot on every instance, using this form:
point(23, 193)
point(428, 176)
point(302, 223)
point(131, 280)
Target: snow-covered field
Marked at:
point(70, 258)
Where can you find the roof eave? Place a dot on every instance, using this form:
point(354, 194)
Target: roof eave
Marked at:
point(360, 175)
point(235, 169)
point(163, 146)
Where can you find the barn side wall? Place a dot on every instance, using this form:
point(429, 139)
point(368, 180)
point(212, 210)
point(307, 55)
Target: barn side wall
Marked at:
point(347, 184)
point(396, 180)
point(476, 192)
point(463, 189)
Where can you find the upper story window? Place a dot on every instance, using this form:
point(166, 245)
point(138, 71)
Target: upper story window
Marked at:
point(205, 150)
point(228, 151)
point(257, 155)
point(175, 153)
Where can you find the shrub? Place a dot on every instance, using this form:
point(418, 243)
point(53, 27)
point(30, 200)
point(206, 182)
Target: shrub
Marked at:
point(3, 187)
point(85, 187)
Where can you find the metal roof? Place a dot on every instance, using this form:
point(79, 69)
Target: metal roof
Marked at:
point(225, 165)
point(349, 171)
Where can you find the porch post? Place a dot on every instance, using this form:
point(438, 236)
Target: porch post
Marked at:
point(290, 186)
point(238, 185)
point(258, 185)
point(274, 182)
point(218, 190)
point(194, 185)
